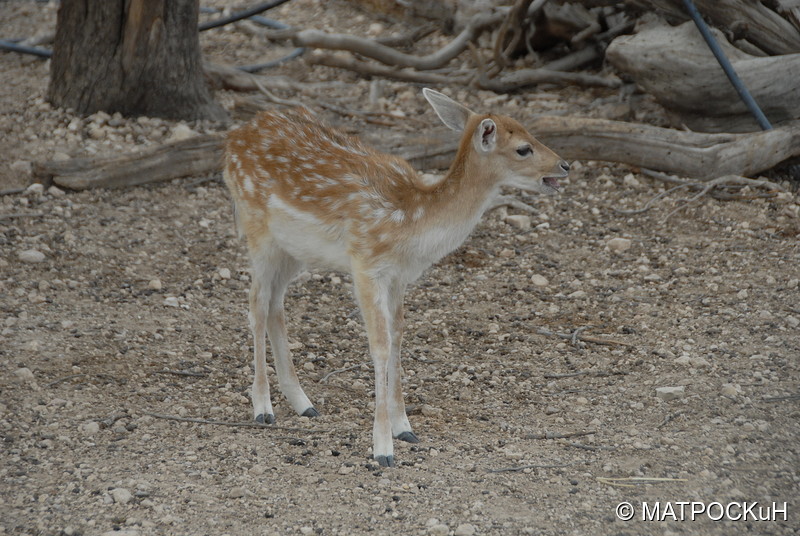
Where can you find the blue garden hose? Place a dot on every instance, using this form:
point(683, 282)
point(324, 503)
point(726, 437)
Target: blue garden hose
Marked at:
point(740, 88)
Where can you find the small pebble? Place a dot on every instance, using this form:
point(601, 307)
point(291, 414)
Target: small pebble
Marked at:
point(539, 280)
point(465, 529)
point(121, 495)
point(55, 191)
point(670, 393)
point(154, 284)
point(730, 389)
point(181, 132)
point(24, 374)
point(224, 273)
point(237, 493)
point(439, 530)
point(31, 255)
point(520, 221)
point(171, 301)
point(36, 188)
point(618, 245)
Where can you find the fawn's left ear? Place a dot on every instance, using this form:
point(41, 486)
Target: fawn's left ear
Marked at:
point(485, 138)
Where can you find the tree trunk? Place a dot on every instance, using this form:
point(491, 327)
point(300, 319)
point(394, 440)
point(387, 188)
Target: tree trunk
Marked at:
point(136, 57)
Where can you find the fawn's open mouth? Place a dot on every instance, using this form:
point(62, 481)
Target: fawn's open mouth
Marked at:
point(552, 182)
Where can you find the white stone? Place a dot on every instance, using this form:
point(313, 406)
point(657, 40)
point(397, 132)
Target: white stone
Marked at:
point(730, 389)
point(154, 284)
point(237, 493)
point(37, 188)
point(224, 273)
point(430, 411)
point(55, 191)
point(577, 295)
point(181, 132)
point(346, 469)
point(630, 180)
point(539, 280)
point(171, 301)
point(465, 529)
point(792, 321)
point(520, 221)
point(90, 428)
point(121, 495)
point(670, 393)
point(22, 167)
point(439, 530)
point(619, 245)
point(24, 374)
point(692, 361)
point(31, 255)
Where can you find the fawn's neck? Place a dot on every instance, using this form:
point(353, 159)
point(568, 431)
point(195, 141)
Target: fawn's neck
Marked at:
point(466, 190)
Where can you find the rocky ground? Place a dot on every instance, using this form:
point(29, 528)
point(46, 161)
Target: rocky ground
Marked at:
point(124, 317)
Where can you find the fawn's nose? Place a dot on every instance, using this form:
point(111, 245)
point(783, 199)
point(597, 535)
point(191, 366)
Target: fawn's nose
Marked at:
point(564, 166)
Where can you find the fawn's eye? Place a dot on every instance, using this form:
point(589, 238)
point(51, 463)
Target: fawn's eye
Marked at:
point(525, 150)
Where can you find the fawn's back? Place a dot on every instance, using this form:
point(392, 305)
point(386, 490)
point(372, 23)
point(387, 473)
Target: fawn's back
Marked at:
point(325, 197)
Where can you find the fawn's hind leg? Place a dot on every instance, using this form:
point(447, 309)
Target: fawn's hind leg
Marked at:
point(285, 268)
point(273, 270)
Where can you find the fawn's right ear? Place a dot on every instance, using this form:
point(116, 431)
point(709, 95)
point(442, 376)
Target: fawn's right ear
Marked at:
point(452, 114)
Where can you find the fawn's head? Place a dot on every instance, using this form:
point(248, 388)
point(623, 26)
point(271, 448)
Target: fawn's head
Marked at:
point(504, 145)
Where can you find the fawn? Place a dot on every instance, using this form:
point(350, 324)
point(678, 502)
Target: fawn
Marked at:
point(304, 193)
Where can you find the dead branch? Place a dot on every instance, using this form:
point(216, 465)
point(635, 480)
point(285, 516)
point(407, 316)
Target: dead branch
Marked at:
point(523, 467)
point(706, 188)
point(195, 156)
point(231, 424)
point(689, 154)
point(577, 335)
point(370, 48)
point(556, 435)
point(531, 77)
point(15, 215)
point(597, 373)
point(515, 23)
point(726, 180)
point(341, 61)
point(668, 419)
point(338, 371)
point(590, 447)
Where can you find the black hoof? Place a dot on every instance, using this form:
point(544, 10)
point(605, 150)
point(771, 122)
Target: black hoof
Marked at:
point(265, 419)
point(385, 461)
point(310, 412)
point(408, 437)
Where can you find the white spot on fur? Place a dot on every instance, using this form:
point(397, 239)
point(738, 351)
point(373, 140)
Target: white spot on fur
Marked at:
point(397, 216)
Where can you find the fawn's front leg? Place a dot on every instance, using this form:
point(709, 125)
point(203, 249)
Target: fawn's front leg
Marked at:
point(373, 299)
point(401, 428)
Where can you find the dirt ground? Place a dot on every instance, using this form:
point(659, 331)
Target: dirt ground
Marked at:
point(121, 308)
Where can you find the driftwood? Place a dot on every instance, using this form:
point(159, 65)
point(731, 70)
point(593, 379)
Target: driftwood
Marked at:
point(675, 66)
point(688, 154)
point(747, 19)
point(195, 156)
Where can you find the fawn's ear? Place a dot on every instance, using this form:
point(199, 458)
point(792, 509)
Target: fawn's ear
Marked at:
point(485, 137)
point(452, 114)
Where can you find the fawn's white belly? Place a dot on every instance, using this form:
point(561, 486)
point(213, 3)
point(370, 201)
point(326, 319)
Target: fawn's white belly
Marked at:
point(307, 238)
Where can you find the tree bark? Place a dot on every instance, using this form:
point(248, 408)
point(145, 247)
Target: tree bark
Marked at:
point(136, 57)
